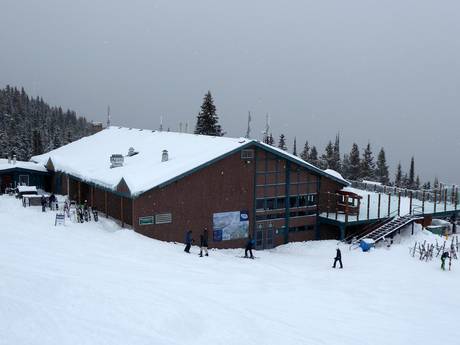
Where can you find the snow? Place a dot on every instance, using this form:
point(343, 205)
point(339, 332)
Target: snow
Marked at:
point(89, 158)
point(337, 175)
point(372, 182)
point(27, 189)
point(96, 283)
point(4, 165)
point(429, 207)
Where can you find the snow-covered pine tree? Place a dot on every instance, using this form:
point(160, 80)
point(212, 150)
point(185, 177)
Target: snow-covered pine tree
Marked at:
point(305, 152)
point(294, 150)
point(270, 140)
point(327, 158)
point(381, 172)
point(346, 166)
point(411, 178)
point(336, 154)
point(313, 157)
point(399, 176)
point(355, 163)
point(436, 183)
point(368, 164)
point(417, 183)
point(207, 119)
point(282, 143)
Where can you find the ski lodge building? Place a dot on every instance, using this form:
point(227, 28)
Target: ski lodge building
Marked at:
point(162, 183)
point(14, 173)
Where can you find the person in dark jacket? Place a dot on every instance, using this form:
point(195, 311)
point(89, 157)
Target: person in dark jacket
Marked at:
point(338, 257)
point(188, 241)
point(43, 201)
point(249, 247)
point(204, 243)
point(444, 256)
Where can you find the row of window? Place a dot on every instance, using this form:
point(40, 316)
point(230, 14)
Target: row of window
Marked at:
point(302, 228)
point(282, 215)
point(161, 218)
point(280, 202)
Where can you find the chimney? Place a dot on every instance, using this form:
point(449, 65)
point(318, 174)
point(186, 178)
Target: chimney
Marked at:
point(9, 159)
point(164, 156)
point(14, 159)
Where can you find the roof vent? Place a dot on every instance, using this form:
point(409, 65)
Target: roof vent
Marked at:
point(164, 156)
point(116, 160)
point(132, 152)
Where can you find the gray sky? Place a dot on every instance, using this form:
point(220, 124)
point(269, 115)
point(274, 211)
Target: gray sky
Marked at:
point(384, 71)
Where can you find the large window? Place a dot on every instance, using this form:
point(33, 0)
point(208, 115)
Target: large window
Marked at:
point(23, 180)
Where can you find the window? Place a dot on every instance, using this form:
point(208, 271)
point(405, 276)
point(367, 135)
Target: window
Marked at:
point(247, 154)
point(280, 202)
point(23, 180)
point(260, 204)
point(146, 220)
point(270, 204)
point(163, 218)
point(293, 201)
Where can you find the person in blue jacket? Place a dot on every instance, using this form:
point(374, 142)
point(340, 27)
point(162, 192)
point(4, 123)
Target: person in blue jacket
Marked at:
point(249, 247)
point(188, 241)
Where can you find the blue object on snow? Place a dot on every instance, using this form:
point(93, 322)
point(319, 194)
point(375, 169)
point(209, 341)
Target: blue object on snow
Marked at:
point(366, 244)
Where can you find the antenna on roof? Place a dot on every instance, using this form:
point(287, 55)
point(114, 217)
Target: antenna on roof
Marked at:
point(161, 124)
point(266, 131)
point(248, 131)
point(108, 116)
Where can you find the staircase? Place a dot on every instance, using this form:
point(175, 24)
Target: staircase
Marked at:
point(390, 227)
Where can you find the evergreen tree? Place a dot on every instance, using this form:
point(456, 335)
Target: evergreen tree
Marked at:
point(399, 176)
point(417, 183)
point(313, 158)
point(411, 178)
point(436, 183)
point(337, 164)
point(305, 152)
point(271, 141)
point(294, 151)
point(381, 172)
point(327, 159)
point(282, 143)
point(346, 166)
point(355, 163)
point(367, 164)
point(207, 119)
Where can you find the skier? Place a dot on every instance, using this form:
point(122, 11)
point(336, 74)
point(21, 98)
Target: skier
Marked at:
point(43, 201)
point(338, 257)
point(52, 201)
point(444, 256)
point(188, 241)
point(95, 215)
point(204, 243)
point(249, 247)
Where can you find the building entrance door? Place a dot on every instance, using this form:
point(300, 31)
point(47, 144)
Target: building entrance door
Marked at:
point(264, 237)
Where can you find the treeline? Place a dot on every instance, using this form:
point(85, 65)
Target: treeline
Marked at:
point(29, 126)
point(356, 165)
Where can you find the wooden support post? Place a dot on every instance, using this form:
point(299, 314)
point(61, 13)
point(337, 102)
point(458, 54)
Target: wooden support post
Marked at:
point(337, 196)
point(410, 202)
point(92, 196)
point(346, 210)
point(389, 204)
point(105, 202)
point(359, 208)
point(133, 219)
point(368, 205)
point(328, 204)
point(423, 202)
point(121, 212)
point(399, 203)
point(378, 209)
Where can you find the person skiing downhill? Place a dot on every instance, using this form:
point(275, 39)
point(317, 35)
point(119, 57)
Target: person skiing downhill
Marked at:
point(249, 247)
point(204, 243)
point(338, 257)
point(188, 241)
point(444, 256)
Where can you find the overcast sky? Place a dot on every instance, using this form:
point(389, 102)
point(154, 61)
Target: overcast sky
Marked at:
point(384, 71)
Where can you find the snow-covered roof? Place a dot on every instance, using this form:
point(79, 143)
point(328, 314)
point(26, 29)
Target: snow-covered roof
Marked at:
point(89, 158)
point(26, 189)
point(337, 175)
point(4, 165)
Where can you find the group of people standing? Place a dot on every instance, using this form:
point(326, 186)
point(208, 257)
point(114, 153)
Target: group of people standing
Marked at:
point(204, 244)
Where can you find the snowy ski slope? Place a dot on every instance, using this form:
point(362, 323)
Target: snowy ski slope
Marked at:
point(95, 283)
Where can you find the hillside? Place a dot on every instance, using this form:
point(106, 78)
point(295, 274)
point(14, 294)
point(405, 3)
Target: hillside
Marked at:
point(96, 283)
